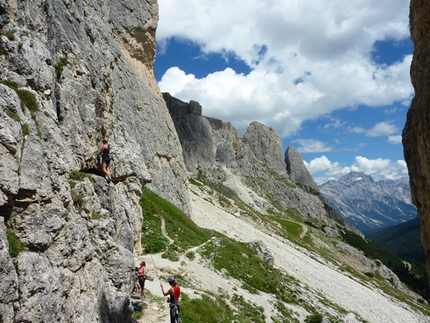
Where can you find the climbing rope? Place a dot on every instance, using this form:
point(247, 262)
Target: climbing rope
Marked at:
point(156, 271)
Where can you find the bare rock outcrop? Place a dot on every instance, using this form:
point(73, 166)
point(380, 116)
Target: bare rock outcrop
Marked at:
point(297, 170)
point(71, 73)
point(265, 145)
point(214, 148)
point(416, 134)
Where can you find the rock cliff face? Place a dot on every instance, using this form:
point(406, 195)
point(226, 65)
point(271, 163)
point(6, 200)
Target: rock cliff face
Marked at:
point(73, 72)
point(297, 170)
point(416, 134)
point(214, 148)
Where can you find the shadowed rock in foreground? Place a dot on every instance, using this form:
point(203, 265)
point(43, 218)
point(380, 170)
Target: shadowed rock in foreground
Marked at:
point(416, 134)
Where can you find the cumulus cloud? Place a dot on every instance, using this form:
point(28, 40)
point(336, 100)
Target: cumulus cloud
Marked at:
point(323, 170)
point(396, 140)
point(307, 59)
point(312, 146)
point(382, 129)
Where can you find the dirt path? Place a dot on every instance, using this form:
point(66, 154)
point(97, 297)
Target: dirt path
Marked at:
point(163, 228)
point(362, 302)
point(154, 310)
point(304, 230)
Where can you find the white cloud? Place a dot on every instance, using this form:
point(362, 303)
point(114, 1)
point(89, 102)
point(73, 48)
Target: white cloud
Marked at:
point(396, 140)
point(382, 129)
point(322, 169)
point(312, 146)
point(308, 58)
point(380, 168)
point(334, 123)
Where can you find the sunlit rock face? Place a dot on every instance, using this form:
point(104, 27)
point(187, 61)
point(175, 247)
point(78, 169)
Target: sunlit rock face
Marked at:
point(214, 149)
point(73, 72)
point(416, 134)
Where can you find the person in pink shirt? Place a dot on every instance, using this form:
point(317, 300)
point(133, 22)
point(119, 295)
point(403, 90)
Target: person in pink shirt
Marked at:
point(141, 274)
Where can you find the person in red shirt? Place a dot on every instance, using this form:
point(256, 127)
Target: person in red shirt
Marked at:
point(174, 293)
point(141, 274)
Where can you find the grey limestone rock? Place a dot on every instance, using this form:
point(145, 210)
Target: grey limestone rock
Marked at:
point(73, 72)
point(297, 170)
point(265, 145)
point(214, 148)
point(262, 252)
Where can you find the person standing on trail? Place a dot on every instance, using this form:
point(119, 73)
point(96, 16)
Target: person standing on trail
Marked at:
point(141, 274)
point(136, 287)
point(175, 307)
point(105, 151)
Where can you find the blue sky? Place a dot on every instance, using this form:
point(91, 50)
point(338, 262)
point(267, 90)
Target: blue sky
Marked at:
point(331, 76)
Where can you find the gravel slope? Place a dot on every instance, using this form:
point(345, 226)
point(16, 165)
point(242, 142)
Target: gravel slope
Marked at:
point(362, 302)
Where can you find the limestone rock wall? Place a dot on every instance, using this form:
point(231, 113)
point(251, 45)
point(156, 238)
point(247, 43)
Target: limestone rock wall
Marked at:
point(71, 73)
point(215, 149)
point(297, 169)
point(265, 145)
point(416, 134)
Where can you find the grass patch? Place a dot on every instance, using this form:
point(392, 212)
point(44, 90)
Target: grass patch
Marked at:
point(293, 228)
point(28, 99)
point(152, 239)
point(294, 214)
point(314, 318)
point(184, 232)
point(96, 216)
point(243, 264)
point(285, 315)
point(78, 176)
point(13, 85)
point(208, 309)
point(77, 199)
point(13, 114)
point(59, 67)
point(171, 253)
point(190, 255)
point(15, 245)
point(10, 34)
point(137, 314)
point(250, 311)
point(25, 129)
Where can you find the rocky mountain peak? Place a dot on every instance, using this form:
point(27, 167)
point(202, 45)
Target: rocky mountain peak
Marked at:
point(297, 169)
point(355, 177)
point(370, 204)
point(213, 148)
point(266, 145)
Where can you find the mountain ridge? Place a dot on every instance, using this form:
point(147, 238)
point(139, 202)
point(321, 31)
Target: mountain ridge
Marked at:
point(370, 204)
point(403, 240)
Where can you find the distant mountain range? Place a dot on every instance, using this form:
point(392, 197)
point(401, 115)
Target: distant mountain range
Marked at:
point(368, 204)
